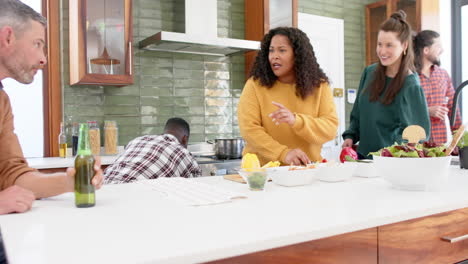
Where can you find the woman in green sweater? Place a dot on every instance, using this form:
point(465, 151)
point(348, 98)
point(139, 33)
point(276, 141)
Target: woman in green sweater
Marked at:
point(390, 97)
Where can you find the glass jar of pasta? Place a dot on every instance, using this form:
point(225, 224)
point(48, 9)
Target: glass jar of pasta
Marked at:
point(94, 137)
point(111, 135)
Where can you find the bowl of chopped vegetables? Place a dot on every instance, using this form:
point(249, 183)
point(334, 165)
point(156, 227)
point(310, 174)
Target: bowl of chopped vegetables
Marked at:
point(414, 167)
point(293, 175)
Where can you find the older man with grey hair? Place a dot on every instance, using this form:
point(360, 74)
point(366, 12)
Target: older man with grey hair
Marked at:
point(22, 46)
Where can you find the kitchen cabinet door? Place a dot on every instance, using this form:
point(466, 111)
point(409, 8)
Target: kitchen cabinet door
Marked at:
point(376, 13)
point(356, 247)
point(100, 38)
point(421, 240)
point(421, 15)
point(261, 16)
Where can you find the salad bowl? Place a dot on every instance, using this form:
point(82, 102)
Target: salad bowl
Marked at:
point(414, 174)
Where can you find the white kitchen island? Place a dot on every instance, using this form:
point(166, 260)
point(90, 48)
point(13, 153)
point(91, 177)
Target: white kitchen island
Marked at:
point(131, 223)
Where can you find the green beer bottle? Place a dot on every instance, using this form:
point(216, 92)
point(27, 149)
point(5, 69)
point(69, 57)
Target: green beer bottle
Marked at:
point(84, 166)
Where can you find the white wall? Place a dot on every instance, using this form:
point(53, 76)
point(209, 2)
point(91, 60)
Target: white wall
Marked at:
point(446, 34)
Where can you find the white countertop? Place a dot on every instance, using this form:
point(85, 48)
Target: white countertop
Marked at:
point(56, 162)
point(133, 224)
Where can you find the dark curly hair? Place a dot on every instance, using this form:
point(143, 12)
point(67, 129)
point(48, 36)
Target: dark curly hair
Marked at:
point(309, 75)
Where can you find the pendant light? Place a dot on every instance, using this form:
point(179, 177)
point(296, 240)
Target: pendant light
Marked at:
point(105, 59)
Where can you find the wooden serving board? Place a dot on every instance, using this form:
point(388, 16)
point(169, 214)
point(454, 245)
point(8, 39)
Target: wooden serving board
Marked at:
point(235, 178)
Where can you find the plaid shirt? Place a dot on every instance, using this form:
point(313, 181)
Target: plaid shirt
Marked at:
point(436, 88)
point(150, 157)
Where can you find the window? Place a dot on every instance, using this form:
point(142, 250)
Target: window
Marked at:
point(460, 51)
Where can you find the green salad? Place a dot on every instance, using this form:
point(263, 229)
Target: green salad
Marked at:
point(257, 180)
point(463, 141)
point(411, 150)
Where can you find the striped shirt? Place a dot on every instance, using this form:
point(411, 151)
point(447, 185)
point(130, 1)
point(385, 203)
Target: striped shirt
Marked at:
point(437, 88)
point(151, 157)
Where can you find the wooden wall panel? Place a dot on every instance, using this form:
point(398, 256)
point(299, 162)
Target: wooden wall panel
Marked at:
point(52, 91)
point(429, 14)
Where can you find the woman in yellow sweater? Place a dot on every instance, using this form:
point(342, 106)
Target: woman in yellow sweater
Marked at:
point(286, 111)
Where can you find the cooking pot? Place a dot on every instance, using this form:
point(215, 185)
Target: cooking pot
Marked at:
point(228, 148)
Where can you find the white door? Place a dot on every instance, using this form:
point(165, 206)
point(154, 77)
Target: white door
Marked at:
point(327, 38)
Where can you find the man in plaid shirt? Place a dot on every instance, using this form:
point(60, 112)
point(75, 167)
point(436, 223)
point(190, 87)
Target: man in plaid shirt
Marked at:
point(436, 83)
point(153, 156)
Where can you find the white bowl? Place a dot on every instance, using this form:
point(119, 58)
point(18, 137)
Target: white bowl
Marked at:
point(366, 170)
point(414, 174)
point(336, 172)
point(285, 177)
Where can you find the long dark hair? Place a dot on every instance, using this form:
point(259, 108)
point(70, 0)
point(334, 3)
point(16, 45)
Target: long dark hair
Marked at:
point(423, 39)
point(309, 75)
point(396, 23)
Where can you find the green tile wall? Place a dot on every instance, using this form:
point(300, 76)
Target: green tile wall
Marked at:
point(202, 89)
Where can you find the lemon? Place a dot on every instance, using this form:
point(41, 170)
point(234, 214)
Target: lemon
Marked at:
point(271, 164)
point(250, 161)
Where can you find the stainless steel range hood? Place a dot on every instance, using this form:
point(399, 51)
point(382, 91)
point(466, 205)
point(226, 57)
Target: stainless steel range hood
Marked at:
point(201, 34)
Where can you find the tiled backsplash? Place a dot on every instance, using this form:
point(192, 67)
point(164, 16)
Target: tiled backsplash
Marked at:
point(204, 90)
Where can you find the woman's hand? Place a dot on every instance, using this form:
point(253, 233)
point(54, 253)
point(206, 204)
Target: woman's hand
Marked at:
point(296, 157)
point(347, 143)
point(282, 115)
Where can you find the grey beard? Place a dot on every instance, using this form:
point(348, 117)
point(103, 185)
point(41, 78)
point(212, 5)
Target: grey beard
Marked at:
point(18, 73)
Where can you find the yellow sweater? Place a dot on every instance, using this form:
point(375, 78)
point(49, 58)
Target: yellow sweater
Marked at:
point(316, 120)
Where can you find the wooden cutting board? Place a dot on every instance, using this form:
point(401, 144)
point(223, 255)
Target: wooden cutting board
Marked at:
point(235, 178)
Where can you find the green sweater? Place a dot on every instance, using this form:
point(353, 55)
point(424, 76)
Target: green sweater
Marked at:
point(375, 125)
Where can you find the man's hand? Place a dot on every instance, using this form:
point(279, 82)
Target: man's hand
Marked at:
point(347, 143)
point(96, 181)
point(282, 115)
point(15, 199)
point(296, 157)
point(438, 111)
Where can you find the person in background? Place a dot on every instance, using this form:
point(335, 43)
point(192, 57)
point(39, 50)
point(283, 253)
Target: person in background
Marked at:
point(436, 83)
point(390, 97)
point(286, 111)
point(22, 41)
point(154, 156)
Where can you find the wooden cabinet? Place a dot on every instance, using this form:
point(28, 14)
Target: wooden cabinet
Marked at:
point(261, 16)
point(100, 39)
point(420, 15)
point(420, 240)
point(357, 247)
